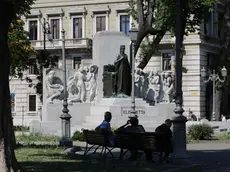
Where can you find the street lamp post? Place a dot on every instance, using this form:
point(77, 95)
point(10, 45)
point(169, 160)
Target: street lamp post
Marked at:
point(66, 140)
point(179, 121)
point(46, 32)
point(133, 36)
point(214, 77)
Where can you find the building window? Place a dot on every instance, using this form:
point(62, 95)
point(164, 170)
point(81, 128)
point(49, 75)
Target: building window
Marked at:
point(100, 23)
point(12, 102)
point(209, 25)
point(124, 24)
point(77, 28)
point(166, 61)
point(220, 24)
point(55, 28)
point(76, 62)
point(32, 103)
point(33, 30)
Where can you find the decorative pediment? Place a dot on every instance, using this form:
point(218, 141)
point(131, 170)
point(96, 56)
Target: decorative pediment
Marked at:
point(99, 9)
point(77, 10)
point(34, 13)
point(55, 12)
point(122, 8)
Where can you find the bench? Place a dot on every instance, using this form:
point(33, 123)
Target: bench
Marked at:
point(96, 140)
point(148, 141)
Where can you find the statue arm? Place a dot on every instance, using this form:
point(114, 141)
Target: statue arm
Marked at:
point(119, 58)
point(53, 85)
point(89, 78)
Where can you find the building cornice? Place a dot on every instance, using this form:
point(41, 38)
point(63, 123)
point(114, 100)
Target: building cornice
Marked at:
point(62, 3)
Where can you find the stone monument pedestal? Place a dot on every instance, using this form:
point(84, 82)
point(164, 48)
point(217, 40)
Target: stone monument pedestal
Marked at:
point(51, 123)
point(149, 116)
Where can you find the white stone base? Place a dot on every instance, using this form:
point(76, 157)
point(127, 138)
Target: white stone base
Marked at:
point(150, 119)
point(78, 112)
point(89, 116)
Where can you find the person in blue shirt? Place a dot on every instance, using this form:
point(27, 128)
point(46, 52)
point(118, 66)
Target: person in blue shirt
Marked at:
point(105, 128)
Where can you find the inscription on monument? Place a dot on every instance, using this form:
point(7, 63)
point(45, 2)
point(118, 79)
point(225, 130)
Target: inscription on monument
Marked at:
point(127, 111)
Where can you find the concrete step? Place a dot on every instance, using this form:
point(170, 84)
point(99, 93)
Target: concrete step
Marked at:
point(93, 126)
point(145, 119)
point(117, 101)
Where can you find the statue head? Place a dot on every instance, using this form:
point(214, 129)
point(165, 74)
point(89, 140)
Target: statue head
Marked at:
point(122, 49)
point(51, 74)
point(169, 79)
point(86, 69)
point(155, 72)
point(93, 69)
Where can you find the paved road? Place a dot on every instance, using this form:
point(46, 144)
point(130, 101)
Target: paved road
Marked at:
point(215, 157)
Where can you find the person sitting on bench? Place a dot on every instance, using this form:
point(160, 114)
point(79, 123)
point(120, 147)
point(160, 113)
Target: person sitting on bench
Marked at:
point(105, 128)
point(133, 126)
point(165, 129)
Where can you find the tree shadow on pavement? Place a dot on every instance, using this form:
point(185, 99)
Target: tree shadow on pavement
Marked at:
point(211, 160)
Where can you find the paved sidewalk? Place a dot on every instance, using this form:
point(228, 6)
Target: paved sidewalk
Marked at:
point(214, 157)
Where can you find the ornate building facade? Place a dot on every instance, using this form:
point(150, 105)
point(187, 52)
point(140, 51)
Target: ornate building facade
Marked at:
point(81, 20)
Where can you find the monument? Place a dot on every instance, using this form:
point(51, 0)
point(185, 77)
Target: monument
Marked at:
point(106, 86)
point(114, 85)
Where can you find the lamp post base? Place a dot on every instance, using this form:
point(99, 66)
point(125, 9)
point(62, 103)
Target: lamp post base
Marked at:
point(213, 117)
point(66, 142)
point(179, 137)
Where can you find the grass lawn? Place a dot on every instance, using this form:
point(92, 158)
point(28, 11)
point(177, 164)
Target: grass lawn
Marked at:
point(53, 159)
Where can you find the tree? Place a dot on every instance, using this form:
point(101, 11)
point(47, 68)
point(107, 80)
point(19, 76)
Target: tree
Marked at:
point(20, 48)
point(8, 160)
point(156, 17)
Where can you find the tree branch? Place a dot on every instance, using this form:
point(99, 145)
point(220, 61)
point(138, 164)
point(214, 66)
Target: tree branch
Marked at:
point(156, 41)
point(143, 32)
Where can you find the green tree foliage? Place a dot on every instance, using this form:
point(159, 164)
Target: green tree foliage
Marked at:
point(156, 17)
point(20, 48)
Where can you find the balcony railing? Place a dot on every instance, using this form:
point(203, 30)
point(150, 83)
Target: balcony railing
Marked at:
point(57, 43)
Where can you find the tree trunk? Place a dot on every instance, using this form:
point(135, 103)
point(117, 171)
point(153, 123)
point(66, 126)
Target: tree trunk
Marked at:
point(8, 162)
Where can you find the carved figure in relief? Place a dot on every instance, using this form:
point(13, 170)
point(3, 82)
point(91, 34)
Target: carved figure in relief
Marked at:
point(169, 89)
point(139, 81)
point(154, 86)
point(145, 86)
point(92, 83)
point(77, 87)
point(164, 87)
point(54, 86)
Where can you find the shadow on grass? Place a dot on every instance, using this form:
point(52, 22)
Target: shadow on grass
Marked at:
point(88, 164)
point(81, 163)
